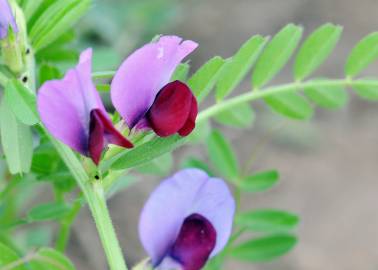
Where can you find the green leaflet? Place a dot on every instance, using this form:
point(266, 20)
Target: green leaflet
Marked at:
point(16, 140)
point(331, 97)
point(291, 105)
point(159, 166)
point(366, 89)
point(222, 156)
point(258, 182)
point(51, 259)
point(48, 72)
point(48, 211)
point(241, 116)
point(8, 256)
point(204, 79)
point(276, 54)
point(181, 72)
point(239, 65)
point(267, 220)
point(58, 18)
point(363, 54)
point(264, 248)
point(145, 152)
point(315, 49)
point(22, 102)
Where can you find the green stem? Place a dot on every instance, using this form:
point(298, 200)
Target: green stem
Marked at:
point(101, 75)
point(65, 227)
point(95, 197)
point(254, 95)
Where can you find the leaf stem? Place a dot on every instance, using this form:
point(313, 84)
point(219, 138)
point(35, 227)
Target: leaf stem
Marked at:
point(263, 93)
point(101, 75)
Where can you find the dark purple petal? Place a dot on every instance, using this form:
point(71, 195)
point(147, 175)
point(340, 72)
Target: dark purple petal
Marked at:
point(188, 192)
point(172, 109)
point(190, 123)
point(6, 19)
point(144, 73)
point(194, 243)
point(66, 106)
point(102, 131)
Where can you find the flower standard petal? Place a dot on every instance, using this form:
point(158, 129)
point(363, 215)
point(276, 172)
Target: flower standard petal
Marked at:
point(6, 19)
point(144, 73)
point(188, 192)
point(72, 111)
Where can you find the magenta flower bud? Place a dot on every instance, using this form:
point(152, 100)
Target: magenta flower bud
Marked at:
point(72, 111)
point(187, 220)
point(6, 19)
point(142, 93)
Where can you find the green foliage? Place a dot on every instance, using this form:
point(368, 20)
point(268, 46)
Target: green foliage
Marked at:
point(291, 105)
point(365, 52)
point(48, 72)
point(331, 97)
point(51, 163)
point(239, 65)
point(204, 79)
point(276, 54)
point(144, 153)
point(367, 89)
point(16, 140)
point(158, 166)
point(316, 49)
point(22, 102)
point(222, 156)
point(48, 211)
point(58, 18)
point(242, 116)
point(258, 182)
point(264, 248)
point(267, 220)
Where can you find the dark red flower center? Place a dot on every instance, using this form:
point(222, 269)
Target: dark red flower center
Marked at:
point(174, 110)
point(195, 242)
point(102, 132)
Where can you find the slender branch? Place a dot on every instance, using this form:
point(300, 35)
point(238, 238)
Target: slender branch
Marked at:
point(65, 227)
point(94, 194)
point(101, 75)
point(263, 93)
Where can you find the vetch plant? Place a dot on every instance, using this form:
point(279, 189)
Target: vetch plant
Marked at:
point(56, 132)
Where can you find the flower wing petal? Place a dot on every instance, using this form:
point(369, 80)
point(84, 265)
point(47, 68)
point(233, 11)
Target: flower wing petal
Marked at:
point(144, 73)
point(65, 105)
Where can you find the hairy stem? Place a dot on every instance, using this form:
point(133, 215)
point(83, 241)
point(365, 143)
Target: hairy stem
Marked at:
point(95, 197)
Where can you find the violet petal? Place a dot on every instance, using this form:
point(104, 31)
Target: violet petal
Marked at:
point(65, 105)
point(187, 192)
point(144, 73)
point(6, 19)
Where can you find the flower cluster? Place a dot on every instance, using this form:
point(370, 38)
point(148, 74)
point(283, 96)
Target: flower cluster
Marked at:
point(141, 91)
point(201, 209)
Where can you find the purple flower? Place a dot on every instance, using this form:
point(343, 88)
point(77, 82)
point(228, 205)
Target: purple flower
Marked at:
point(72, 111)
point(142, 93)
point(6, 19)
point(186, 220)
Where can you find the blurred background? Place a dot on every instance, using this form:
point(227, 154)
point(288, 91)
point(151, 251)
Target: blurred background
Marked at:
point(328, 166)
